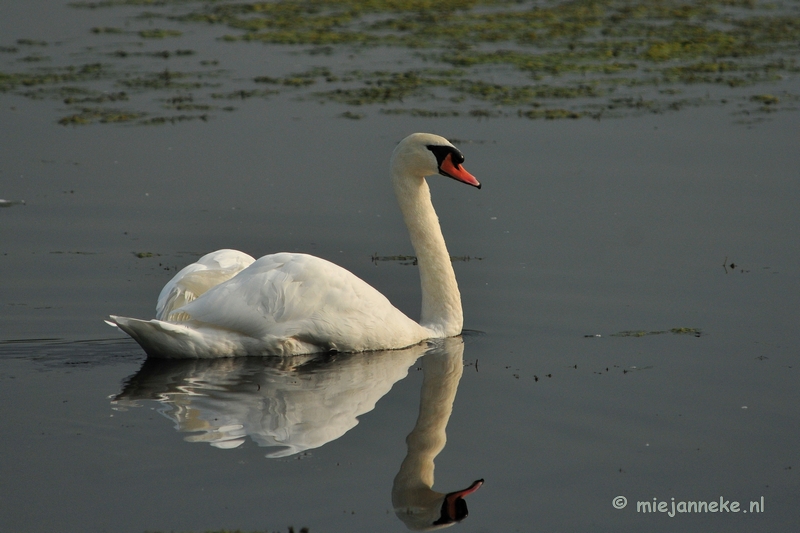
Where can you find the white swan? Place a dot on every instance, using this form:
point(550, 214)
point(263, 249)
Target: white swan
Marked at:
point(228, 304)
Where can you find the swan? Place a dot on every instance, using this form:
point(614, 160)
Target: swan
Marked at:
point(229, 304)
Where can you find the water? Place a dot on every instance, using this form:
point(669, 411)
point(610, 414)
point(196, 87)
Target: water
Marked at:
point(582, 230)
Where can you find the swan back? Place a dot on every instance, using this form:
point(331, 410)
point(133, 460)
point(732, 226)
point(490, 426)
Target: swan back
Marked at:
point(197, 278)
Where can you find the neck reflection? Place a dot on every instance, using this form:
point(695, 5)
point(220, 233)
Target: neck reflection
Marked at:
point(415, 502)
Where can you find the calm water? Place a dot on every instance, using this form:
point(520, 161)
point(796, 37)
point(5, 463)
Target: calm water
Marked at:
point(583, 230)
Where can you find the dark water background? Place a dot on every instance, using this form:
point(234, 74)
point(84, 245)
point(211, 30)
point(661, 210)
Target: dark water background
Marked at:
point(583, 229)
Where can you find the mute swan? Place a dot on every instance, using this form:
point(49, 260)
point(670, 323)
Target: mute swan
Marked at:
point(228, 304)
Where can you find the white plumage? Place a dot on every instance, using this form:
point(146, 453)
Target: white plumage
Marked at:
point(195, 279)
point(227, 304)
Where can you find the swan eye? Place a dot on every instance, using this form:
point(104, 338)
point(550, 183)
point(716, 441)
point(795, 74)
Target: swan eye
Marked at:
point(441, 153)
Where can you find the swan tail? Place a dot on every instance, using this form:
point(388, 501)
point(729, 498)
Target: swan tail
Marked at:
point(170, 340)
point(159, 338)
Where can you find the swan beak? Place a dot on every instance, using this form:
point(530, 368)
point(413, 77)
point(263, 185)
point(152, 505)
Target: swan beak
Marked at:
point(454, 509)
point(457, 172)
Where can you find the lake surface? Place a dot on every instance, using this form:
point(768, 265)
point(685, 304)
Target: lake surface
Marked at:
point(630, 290)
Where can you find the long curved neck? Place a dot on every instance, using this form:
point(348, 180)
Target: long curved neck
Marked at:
point(441, 300)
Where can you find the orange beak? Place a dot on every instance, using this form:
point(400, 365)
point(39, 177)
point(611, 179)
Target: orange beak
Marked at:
point(457, 172)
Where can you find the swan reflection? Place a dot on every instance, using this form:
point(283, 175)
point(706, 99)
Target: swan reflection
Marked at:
point(300, 403)
point(414, 500)
point(293, 404)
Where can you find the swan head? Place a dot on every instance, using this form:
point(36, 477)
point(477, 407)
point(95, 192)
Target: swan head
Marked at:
point(425, 154)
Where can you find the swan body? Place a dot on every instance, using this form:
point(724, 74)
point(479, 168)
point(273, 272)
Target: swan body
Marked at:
point(228, 304)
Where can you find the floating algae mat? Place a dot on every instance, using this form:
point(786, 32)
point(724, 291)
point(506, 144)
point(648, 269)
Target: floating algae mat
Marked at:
point(530, 59)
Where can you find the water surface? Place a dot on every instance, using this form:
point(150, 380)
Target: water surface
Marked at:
point(589, 243)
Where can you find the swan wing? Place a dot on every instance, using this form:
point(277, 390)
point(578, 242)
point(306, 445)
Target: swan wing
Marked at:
point(197, 278)
point(306, 300)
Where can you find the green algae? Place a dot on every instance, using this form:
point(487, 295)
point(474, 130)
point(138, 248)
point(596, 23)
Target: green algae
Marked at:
point(101, 115)
point(412, 259)
point(185, 103)
point(675, 331)
point(766, 99)
point(34, 58)
point(657, 42)
point(243, 94)
point(164, 54)
point(549, 114)
point(51, 76)
point(159, 33)
point(483, 58)
point(106, 29)
point(173, 119)
point(83, 96)
point(31, 42)
point(169, 80)
point(417, 112)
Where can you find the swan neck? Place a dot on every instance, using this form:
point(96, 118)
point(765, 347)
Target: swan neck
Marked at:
point(441, 300)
